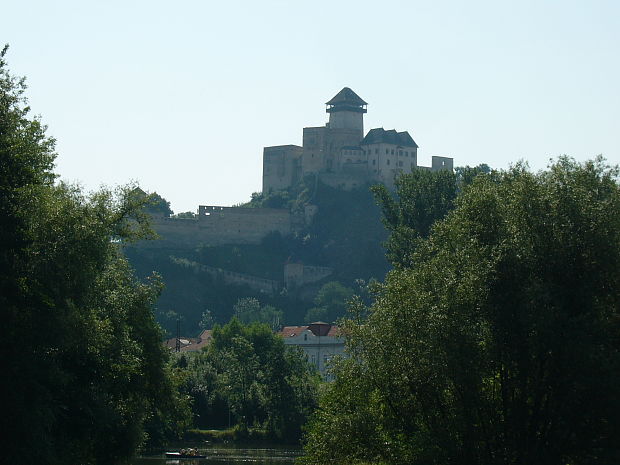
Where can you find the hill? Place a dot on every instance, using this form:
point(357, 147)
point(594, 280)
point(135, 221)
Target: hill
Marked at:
point(344, 239)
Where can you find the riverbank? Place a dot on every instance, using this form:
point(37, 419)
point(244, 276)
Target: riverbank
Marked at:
point(229, 453)
point(235, 435)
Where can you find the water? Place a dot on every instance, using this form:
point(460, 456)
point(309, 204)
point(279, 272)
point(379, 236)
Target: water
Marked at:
point(222, 455)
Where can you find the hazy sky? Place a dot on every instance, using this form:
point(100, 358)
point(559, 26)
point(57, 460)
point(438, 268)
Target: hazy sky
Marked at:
point(182, 96)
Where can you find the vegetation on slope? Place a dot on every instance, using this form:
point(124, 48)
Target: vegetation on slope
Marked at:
point(346, 235)
point(495, 339)
point(248, 379)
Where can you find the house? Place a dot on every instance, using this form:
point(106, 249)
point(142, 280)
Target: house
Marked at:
point(320, 342)
point(190, 344)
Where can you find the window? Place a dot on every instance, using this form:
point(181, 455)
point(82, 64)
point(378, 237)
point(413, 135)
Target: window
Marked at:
point(376, 150)
point(406, 153)
point(400, 153)
point(387, 151)
point(392, 151)
point(388, 162)
point(374, 162)
point(305, 337)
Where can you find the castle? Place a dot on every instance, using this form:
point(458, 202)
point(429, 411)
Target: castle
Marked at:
point(339, 153)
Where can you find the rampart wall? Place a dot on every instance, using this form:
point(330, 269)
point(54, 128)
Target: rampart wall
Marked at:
point(297, 274)
point(253, 282)
point(217, 225)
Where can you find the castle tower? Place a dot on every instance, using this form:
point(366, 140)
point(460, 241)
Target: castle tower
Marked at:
point(346, 111)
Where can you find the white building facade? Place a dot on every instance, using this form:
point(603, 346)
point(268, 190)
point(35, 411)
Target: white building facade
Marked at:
point(321, 342)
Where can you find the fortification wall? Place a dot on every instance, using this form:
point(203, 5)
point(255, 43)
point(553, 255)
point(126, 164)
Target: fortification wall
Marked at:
point(253, 282)
point(442, 163)
point(281, 167)
point(220, 226)
point(297, 274)
point(342, 180)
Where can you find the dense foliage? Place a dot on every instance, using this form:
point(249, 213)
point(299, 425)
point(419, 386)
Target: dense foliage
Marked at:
point(346, 235)
point(497, 340)
point(83, 368)
point(249, 310)
point(247, 378)
point(331, 301)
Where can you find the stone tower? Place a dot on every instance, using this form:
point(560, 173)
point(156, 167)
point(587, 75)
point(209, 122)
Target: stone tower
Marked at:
point(346, 111)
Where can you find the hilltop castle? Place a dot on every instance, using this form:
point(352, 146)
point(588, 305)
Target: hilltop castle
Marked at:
point(339, 153)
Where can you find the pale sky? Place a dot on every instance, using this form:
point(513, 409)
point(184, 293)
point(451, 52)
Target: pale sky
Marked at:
point(183, 96)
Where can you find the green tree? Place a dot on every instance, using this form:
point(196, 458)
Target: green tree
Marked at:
point(207, 321)
point(153, 203)
point(422, 197)
point(249, 310)
point(331, 303)
point(249, 374)
point(500, 346)
point(185, 215)
point(465, 174)
point(83, 365)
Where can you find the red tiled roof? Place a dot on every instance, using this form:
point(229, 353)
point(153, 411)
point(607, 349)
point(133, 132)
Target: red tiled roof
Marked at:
point(190, 344)
point(318, 329)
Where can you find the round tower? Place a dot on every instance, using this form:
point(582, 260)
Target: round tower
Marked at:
point(346, 111)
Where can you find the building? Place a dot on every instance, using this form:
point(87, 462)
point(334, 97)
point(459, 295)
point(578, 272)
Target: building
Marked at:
point(341, 155)
point(190, 344)
point(320, 342)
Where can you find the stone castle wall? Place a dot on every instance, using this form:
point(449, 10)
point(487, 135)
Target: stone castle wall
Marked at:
point(217, 225)
point(297, 274)
point(253, 282)
point(281, 166)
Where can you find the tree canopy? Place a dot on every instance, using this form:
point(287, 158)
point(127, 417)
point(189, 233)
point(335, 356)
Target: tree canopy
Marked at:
point(84, 371)
point(498, 343)
point(248, 378)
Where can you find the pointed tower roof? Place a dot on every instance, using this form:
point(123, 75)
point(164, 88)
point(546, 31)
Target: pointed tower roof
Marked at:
point(346, 100)
point(347, 97)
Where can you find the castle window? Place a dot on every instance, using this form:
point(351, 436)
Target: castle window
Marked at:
point(387, 151)
point(392, 151)
point(374, 162)
point(376, 150)
point(406, 154)
point(388, 162)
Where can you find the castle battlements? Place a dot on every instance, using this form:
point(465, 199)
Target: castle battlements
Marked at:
point(339, 153)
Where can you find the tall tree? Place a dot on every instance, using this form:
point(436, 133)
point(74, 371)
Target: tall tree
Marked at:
point(249, 373)
point(83, 365)
point(501, 345)
point(422, 197)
